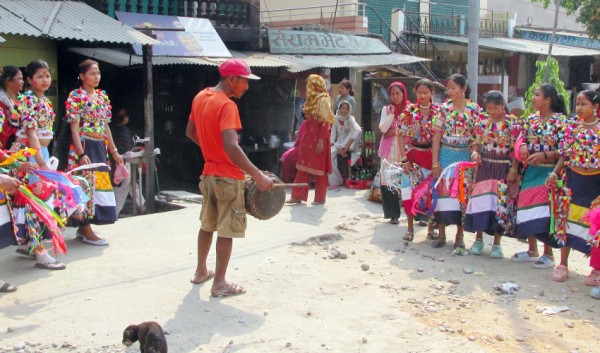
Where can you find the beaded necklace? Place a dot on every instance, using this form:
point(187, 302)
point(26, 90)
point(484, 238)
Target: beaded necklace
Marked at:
point(418, 127)
point(459, 123)
point(91, 110)
point(544, 135)
point(581, 146)
point(496, 134)
point(36, 109)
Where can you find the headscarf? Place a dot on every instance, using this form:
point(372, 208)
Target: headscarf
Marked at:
point(340, 116)
point(398, 109)
point(318, 102)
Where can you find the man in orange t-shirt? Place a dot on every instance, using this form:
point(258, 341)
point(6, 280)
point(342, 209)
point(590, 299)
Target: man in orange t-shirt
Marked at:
point(213, 125)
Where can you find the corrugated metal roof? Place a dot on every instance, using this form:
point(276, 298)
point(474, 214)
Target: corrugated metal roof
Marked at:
point(299, 63)
point(122, 58)
point(65, 20)
point(518, 45)
point(256, 59)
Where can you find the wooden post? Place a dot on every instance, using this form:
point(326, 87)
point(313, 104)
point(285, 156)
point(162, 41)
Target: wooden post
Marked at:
point(149, 127)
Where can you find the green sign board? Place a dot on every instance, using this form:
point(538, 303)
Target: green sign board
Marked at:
point(303, 42)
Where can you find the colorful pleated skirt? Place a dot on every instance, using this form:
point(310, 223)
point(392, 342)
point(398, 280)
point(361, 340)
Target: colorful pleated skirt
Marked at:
point(448, 209)
point(420, 159)
point(533, 205)
point(102, 207)
point(488, 209)
point(584, 188)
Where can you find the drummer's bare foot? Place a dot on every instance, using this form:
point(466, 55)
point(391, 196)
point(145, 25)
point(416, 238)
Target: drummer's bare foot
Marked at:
point(293, 201)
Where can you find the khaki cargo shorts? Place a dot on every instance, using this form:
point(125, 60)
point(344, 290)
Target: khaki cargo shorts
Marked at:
point(223, 206)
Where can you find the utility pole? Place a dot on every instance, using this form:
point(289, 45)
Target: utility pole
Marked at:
point(149, 127)
point(473, 50)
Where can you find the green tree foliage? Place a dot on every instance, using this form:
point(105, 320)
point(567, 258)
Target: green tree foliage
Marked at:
point(547, 72)
point(589, 13)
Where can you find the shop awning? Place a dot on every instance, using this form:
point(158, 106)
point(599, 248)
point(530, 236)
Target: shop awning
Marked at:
point(517, 45)
point(65, 20)
point(299, 63)
point(123, 58)
point(293, 63)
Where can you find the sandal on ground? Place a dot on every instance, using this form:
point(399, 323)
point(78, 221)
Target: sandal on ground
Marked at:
point(595, 293)
point(593, 279)
point(544, 261)
point(524, 256)
point(394, 221)
point(98, 242)
point(496, 252)
point(459, 243)
point(25, 253)
point(230, 289)
point(7, 287)
point(53, 265)
point(431, 235)
point(477, 247)
point(293, 201)
point(209, 276)
point(439, 242)
point(408, 236)
point(561, 273)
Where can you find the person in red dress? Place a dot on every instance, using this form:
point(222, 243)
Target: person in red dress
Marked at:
point(313, 146)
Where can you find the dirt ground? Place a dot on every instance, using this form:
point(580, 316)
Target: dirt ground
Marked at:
point(332, 278)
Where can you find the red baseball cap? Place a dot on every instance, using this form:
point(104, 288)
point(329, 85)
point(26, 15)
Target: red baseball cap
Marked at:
point(236, 67)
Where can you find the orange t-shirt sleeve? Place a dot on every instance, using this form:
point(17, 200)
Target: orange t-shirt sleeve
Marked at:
point(230, 117)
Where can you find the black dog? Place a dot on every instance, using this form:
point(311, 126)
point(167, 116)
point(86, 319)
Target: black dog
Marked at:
point(150, 334)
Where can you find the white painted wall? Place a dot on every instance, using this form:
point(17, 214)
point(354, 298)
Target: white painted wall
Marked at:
point(345, 8)
point(535, 14)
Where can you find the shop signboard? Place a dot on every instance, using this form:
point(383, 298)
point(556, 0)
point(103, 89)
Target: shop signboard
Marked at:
point(181, 36)
point(310, 43)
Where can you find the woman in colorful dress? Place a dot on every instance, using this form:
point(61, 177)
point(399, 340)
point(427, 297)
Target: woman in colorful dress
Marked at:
point(541, 133)
point(36, 119)
point(454, 132)
point(11, 83)
point(417, 129)
point(579, 165)
point(313, 146)
point(88, 113)
point(390, 145)
point(488, 208)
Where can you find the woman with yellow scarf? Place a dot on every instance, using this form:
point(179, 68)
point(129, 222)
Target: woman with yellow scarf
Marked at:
point(313, 145)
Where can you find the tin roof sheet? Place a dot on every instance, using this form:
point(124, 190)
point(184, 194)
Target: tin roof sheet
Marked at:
point(299, 63)
point(293, 63)
point(520, 46)
point(65, 20)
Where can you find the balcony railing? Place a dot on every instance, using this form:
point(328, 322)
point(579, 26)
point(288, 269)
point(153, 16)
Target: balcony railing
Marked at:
point(320, 14)
point(492, 25)
point(234, 20)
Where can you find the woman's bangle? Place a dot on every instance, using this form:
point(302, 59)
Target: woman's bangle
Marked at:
point(81, 155)
point(475, 153)
point(435, 165)
point(113, 151)
point(554, 174)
